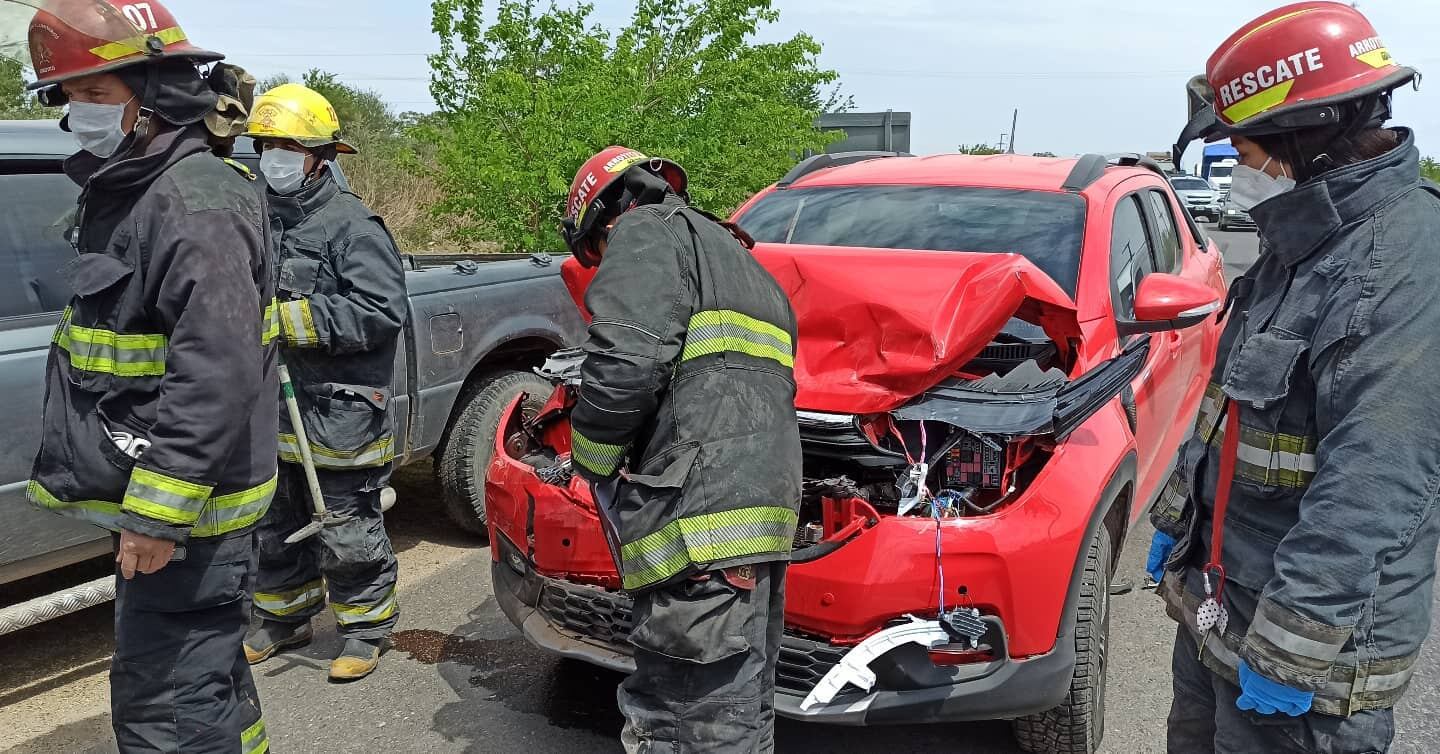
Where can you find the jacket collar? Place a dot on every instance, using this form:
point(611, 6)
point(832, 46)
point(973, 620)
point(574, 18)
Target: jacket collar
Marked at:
point(1296, 223)
point(292, 209)
point(131, 171)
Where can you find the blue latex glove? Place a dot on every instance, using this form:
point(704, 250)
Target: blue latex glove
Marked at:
point(1267, 697)
point(1160, 548)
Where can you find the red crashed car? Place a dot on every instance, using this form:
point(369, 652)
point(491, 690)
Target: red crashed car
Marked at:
point(999, 358)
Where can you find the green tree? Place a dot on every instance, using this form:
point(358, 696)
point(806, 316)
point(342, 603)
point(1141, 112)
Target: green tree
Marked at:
point(1430, 169)
point(525, 98)
point(1044, 154)
point(15, 102)
point(977, 149)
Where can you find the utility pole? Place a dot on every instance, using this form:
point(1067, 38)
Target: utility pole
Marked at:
point(1015, 121)
point(1001, 146)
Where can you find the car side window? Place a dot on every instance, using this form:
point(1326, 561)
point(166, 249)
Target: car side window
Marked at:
point(1130, 257)
point(1166, 236)
point(32, 243)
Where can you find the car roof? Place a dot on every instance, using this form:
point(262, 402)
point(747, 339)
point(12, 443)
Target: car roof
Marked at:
point(44, 139)
point(1006, 171)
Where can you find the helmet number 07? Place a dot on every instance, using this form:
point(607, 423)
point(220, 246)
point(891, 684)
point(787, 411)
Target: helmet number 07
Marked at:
point(141, 15)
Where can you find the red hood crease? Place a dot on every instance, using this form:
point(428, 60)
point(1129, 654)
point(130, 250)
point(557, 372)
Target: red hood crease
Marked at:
point(880, 326)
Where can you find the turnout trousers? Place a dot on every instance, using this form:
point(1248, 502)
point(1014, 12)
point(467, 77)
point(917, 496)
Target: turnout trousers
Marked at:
point(1204, 718)
point(353, 561)
point(705, 653)
point(179, 681)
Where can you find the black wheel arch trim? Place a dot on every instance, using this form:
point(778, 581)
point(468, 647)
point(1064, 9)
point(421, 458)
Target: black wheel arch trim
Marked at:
point(1125, 475)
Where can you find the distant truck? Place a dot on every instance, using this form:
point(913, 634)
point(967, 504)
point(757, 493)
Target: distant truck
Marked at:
point(868, 132)
point(1217, 164)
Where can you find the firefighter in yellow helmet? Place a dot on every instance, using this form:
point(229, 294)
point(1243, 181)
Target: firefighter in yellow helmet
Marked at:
point(341, 307)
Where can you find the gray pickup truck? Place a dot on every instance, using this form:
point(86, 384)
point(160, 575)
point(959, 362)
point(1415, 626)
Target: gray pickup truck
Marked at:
point(475, 331)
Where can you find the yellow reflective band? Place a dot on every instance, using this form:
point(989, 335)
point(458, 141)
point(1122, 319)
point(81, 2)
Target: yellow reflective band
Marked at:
point(291, 601)
point(1259, 102)
point(136, 45)
point(255, 739)
point(299, 323)
point(165, 498)
point(1376, 58)
point(349, 615)
point(377, 453)
point(598, 457)
point(713, 332)
point(97, 512)
point(235, 511)
point(706, 539)
point(109, 352)
point(271, 319)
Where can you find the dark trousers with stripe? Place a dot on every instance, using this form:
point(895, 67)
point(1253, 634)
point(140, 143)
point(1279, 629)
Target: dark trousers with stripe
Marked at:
point(705, 653)
point(179, 681)
point(1204, 718)
point(355, 558)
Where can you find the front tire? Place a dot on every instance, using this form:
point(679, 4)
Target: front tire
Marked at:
point(469, 446)
point(1078, 724)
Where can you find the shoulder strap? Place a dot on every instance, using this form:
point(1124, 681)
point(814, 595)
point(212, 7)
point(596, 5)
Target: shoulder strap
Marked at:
point(240, 168)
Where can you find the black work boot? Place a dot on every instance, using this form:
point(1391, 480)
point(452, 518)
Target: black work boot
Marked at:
point(272, 636)
point(357, 660)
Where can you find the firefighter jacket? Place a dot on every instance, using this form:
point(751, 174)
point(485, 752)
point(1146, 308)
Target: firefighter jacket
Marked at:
point(342, 307)
point(158, 412)
point(1331, 359)
point(689, 375)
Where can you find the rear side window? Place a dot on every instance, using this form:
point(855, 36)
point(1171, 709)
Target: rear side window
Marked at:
point(1167, 237)
point(35, 209)
point(1130, 259)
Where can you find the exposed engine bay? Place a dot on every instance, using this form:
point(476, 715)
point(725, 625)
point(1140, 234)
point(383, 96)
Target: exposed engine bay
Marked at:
point(966, 447)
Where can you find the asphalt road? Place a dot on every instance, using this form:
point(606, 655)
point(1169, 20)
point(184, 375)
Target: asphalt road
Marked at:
point(460, 679)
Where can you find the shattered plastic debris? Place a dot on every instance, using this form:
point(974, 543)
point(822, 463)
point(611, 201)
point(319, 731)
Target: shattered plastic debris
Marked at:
point(559, 473)
point(563, 366)
point(854, 667)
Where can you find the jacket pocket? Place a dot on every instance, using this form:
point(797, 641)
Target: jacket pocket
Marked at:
point(694, 622)
point(349, 425)
point(1277, 445)
point(645, 504)
point(94, 350)
point(299, 276)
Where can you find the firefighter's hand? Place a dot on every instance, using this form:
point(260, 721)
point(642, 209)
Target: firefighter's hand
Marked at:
point(142, 554)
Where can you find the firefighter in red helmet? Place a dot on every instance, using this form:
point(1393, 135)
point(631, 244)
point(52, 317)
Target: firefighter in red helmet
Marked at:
point(1296, 542)
point(687, 386)
point(159, 414)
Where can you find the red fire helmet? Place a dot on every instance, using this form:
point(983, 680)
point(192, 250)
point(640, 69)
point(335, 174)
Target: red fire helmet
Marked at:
point(68, 39)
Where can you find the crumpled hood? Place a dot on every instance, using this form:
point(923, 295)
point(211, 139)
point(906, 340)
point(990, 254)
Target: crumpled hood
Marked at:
point(878, 327)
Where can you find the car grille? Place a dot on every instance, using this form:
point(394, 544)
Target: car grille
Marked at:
point(835, 437)
point(803, 662)
point(592, 613)
point(605, 617)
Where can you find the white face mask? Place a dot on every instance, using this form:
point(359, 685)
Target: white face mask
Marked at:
point(284, 170)
point(98, 129)
point(1249, 187)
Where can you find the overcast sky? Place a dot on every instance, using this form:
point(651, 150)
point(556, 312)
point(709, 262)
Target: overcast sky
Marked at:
point(1087, 75)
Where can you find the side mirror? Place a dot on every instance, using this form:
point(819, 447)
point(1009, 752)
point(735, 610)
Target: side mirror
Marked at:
point(1170, 302)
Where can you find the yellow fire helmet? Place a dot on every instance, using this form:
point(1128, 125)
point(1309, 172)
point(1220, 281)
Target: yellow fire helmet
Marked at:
point(299, 114)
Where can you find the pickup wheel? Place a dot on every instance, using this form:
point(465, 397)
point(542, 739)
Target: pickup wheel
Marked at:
point(1078, 724)
point(470, 443)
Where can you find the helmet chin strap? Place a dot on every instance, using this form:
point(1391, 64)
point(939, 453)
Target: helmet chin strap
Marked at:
point(154, 48)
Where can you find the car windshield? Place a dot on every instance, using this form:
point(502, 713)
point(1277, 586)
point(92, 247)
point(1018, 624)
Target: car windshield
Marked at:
point(1190, 184)
point(1046, 228)
point(1221, 171)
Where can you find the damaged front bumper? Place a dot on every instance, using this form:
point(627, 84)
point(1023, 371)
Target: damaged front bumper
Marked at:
point(591, 623)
